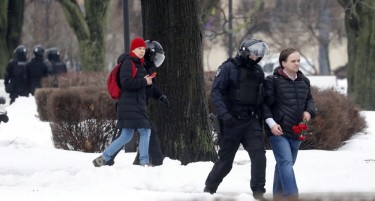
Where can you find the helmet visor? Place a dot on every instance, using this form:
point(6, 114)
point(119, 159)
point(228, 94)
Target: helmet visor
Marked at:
point(258, 49)
point(158, 59)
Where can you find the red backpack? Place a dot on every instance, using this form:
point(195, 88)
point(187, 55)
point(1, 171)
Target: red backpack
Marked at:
point(113, 85)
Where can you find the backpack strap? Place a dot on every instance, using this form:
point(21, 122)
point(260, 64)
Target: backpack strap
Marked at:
point(134, 72)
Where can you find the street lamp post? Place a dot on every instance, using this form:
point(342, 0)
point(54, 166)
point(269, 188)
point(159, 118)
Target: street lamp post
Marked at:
point(125, 10)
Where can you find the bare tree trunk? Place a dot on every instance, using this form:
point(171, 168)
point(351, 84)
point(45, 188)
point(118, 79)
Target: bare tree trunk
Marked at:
point(324, 28)
point(360, 28)
point(90, 29)
point(183, 127)
point(11, 21)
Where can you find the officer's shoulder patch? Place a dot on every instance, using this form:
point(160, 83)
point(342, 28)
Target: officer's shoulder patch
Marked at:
point(218, 72)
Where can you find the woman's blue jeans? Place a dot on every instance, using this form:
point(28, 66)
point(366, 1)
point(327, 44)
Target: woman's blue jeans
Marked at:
point(125, 136)
point(285, 151)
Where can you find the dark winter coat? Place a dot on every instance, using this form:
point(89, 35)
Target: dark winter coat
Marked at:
point(57, 65)
point(37, 69)
point(286, 100)
point(16, 80)
point(225, 88)
point(131, 107)
point(152, 91)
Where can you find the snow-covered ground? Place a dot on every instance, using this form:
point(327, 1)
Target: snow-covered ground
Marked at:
point(32, 169)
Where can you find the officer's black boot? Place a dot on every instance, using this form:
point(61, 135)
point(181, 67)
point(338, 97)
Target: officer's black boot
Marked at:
point(210, 189)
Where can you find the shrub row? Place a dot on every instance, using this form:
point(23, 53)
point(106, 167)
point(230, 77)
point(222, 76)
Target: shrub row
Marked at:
point(81, 118)
point(75, 79)
point(337, 120)
point(82, 115)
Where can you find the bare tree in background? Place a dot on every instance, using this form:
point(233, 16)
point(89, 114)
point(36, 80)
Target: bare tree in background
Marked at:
point(45, 24)
point(360, 28)
point(115, 36)
point(324, 21)
point(183, 128)
point(11, 21)
point(89, 25)
point(215, 20)
point(215, 23)
point(285, 23)
point(324, 25)
point(300, 24)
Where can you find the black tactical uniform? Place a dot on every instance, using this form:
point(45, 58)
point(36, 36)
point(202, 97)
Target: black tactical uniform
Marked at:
point(16, 79)
point(37, 68)
point(237, 98)
point(57, 65)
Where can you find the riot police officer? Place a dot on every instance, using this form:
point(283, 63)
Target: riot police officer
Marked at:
point(16, 79)
point(58, 66)
point(237, 98)
point(37, 68)
point(155, 55)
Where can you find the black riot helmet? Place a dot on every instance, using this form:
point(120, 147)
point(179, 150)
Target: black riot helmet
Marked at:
point(38, 51)
point(154, 52)
point(20, 53)
point(253, 47)
point(53, 54)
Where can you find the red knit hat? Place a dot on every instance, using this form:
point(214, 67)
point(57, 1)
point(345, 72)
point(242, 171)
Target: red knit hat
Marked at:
point(137, 42)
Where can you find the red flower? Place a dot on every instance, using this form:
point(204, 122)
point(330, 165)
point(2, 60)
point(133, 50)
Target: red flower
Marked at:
point(296, 130)
point(301, 130)
point(302, 127)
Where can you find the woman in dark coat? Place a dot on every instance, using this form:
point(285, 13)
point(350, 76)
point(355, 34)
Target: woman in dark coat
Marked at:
point(131, 107)
point(288, 102)
point(154, 57)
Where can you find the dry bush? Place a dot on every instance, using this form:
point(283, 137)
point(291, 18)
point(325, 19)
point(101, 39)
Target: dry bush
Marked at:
point(81, 113)
point(82, 118)
point(337, 120)
point(41, 99)
point(75, 79)
point(64, 81)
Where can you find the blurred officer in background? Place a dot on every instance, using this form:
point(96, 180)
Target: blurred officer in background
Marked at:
point(16, 79)
point(57, 65)
point(37, 68)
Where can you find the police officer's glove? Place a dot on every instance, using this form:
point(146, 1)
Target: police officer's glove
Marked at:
point(164, 100)
point(2, 100)
point(229, 120)
point(4, 118)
